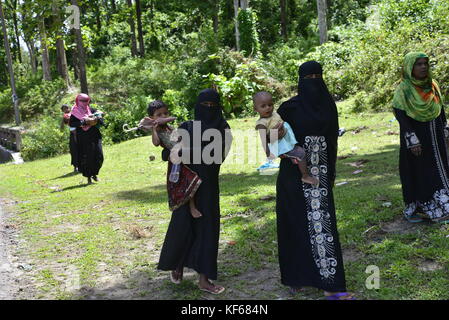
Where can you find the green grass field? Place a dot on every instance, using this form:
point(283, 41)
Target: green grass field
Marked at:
point(102, 241)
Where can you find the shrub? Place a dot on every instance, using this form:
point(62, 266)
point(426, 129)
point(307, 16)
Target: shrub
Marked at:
point(45, 140)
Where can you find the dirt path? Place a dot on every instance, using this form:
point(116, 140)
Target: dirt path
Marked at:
point(12, 282)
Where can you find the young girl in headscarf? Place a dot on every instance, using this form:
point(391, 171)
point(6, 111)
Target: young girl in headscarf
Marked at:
point(90, 152)
point(423, 159)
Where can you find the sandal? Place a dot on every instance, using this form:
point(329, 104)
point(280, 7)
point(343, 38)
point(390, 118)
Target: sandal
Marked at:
point(216, 290)
point(414, 219)
point(341, 296)
point(295, 290)
point(173, 279)
point(442, 220)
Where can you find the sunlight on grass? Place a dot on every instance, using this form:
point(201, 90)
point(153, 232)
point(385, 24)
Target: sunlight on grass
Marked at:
point(65, 223)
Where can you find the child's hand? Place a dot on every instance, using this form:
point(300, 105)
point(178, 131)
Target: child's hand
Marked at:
point(271, 156)
point(280, 132)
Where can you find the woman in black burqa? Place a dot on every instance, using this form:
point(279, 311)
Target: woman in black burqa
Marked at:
point(309, 247)
point(190, 242)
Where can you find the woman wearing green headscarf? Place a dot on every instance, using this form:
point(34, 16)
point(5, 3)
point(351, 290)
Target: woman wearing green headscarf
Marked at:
point(423, 159)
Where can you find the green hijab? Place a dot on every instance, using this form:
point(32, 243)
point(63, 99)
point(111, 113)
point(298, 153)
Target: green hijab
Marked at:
point(408, 98)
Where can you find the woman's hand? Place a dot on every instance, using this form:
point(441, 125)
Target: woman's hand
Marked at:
point(417, 150)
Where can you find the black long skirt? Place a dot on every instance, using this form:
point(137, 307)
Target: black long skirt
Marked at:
point(425, 178)
point(73, 149)
point(308, 243)
point(191, 242)
point(90, 151)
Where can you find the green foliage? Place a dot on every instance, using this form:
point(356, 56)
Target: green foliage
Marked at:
point(42, 98)
point(237, 91)
point(45, 140)
point(130, 113)
point(249, 39)
point(365, 59)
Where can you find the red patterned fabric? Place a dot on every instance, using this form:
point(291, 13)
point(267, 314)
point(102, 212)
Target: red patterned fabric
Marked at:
point(179, 193)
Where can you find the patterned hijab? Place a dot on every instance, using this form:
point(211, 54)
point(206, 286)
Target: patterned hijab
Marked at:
point(420, 99)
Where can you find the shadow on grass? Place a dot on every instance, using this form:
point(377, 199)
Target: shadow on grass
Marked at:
point(148, 195)
point(67, 175)
point(251, 259)
point(71, 188)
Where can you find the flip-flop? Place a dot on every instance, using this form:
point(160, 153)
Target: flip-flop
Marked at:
point(414, 219)
point(173, 280)
point(443, 220)
point(337, 296)
point(295, 290)
point(221, 290)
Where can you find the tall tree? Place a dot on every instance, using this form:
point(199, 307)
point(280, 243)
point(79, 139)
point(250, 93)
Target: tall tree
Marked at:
point(80, 55)
point(322, 21)
point(215, 12)
point(133, 28)
point(12, 6)
point(243, 5)
point(283, 6)
point(44, 50)
point(139, 28)
point(10, 66)
point(60, 47)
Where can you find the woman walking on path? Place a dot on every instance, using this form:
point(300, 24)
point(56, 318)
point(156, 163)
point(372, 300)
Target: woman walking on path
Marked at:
point(309, 247)
point(423, 159)
point(90, 151)
point(193, 242)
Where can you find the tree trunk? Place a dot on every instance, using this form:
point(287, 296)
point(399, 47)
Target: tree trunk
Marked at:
point(32, 53)
point(60, 48)
point(16, 30)
point(237, 32)
point(284, 19)
point(10, 67)
point(114, 6)
point(139, 28)
point(244, 4)
point(216, 9)
point(133, 29)
point(81, 59)
point(44, 51)
point(322, 23)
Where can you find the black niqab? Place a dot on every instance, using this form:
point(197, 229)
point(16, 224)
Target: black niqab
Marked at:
point(313, 111)
point(210, 116)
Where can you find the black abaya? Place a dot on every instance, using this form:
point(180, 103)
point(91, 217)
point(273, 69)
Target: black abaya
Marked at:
point(308, 242)
point(89, 148)
point(193, 242)
point(424, 178)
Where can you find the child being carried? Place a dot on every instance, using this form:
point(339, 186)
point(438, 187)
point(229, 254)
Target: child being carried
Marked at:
point(286, 144)
point(182, 182)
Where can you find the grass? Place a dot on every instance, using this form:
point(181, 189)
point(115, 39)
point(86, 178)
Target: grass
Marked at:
point(103, 240)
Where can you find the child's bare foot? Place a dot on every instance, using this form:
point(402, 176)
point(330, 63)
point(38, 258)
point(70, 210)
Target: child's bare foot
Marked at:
point(195, 213)
point(310, 180)
point(193, 210)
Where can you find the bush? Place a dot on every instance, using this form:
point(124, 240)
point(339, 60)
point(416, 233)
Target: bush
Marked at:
point(45, 140)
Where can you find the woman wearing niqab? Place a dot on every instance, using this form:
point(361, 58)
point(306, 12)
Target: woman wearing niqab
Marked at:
point(191, 242)
point(309, 248)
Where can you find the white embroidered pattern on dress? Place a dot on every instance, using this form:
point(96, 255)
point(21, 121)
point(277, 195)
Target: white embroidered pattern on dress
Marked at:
point(438, 206)
point(317, 203)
